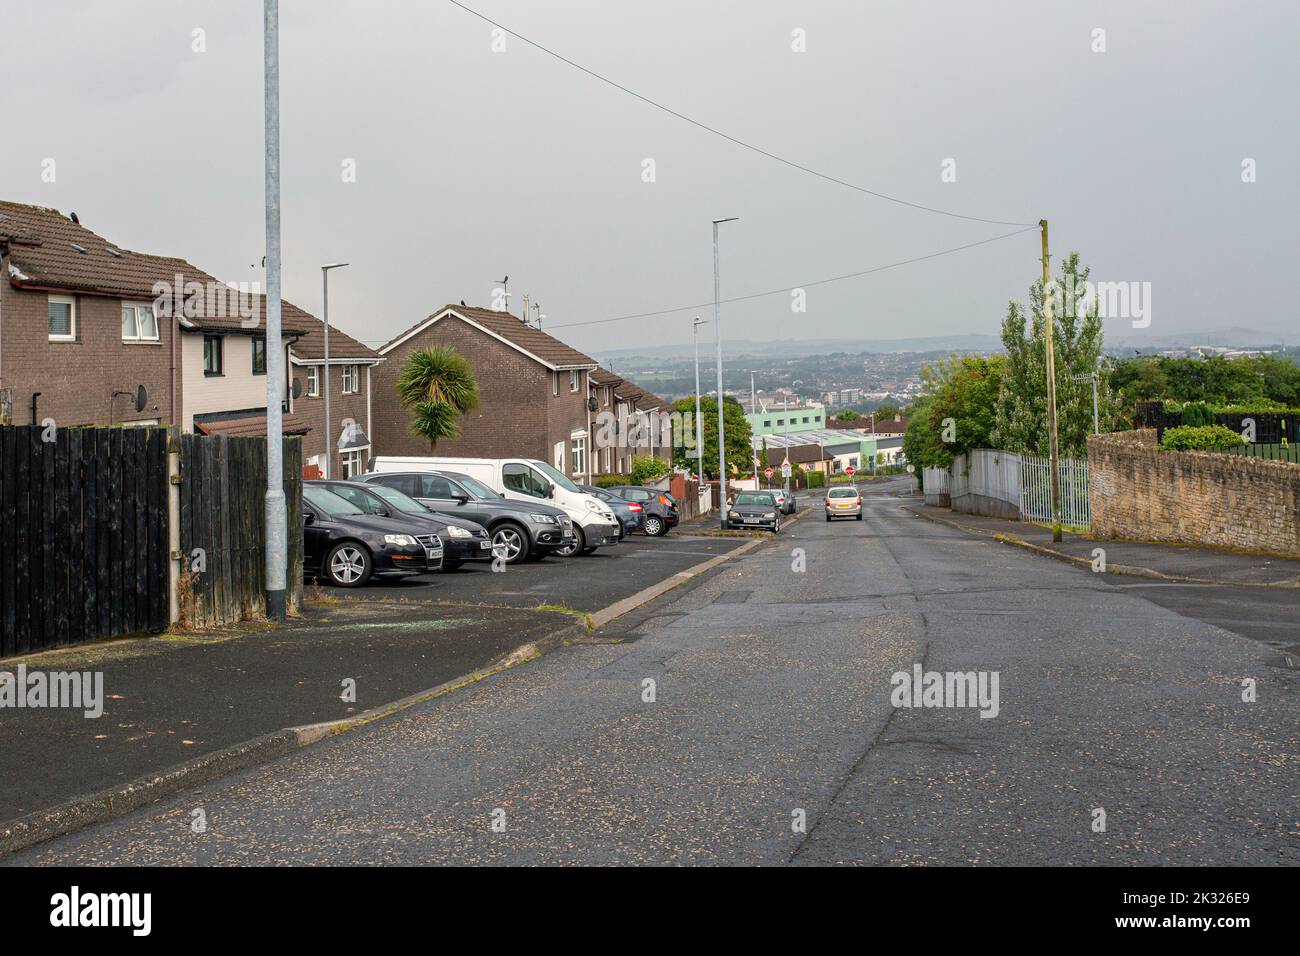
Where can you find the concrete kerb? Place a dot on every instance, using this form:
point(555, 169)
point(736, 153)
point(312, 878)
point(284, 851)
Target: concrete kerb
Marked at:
point(1128, 570)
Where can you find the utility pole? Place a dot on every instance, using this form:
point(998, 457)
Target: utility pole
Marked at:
point(717, 333)
point(1054, 449)
point(277, 556)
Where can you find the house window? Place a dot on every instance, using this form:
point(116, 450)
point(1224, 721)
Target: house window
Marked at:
point(138, 323)
point(259, 355)
point(212, 354)
point(62, 310)
point(608, 393)
point(767, 423)
point(351, 379)
point(354, 462)
point(313, 381)
point(573, 380)
point(579, 453)
point(555, 383)
point(606, 453)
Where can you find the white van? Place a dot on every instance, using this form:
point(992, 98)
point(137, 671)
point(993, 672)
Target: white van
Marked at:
point(526, 479)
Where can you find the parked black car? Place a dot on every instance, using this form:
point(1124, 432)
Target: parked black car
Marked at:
point(462, 540)
point(754, 509)
point(660, 509)
point(518, 529)
point(347, 547)
point(630, 514)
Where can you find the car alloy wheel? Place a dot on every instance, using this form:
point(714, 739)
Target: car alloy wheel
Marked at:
point(579, 542)
point(508, 542)
point(348, 565)
point(654, 526)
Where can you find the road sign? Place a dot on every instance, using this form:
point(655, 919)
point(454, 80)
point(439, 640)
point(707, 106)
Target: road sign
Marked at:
point(768, 472)
point(911, 468)
point(785, 469)
point(849, 470)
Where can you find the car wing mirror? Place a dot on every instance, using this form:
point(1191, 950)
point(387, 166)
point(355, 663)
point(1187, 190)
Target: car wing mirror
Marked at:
point(461, 497)
point(308, 518)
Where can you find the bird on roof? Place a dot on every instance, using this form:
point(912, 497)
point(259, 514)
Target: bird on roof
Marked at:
point(462, 302)
point(73, 217)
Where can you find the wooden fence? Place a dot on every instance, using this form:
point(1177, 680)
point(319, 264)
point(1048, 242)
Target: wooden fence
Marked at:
point(83, 535)
point(1272, 451)
point(223, 534)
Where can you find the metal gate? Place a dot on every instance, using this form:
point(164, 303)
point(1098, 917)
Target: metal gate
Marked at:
point(1036, 491)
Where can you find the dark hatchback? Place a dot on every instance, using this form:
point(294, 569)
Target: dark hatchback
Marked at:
point(660, 508)
point(518, 529)
point(462, 540)
point(347, 547)
point(630, 514)
point(754, 509)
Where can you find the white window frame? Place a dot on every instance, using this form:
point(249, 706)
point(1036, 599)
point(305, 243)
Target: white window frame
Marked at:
point(574, 379)
point(135, 308)
point(351, 374)
point(555, 384)
point(313, 381)
point(353, 458)
point(71, 302)
point(578, 452)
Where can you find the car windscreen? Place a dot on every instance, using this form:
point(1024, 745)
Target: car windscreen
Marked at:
point(750, 498)
point(328, 502)
point(474, 486)
point(843, 493)
point(359, 498)
point(398, 500)
point(557, 477)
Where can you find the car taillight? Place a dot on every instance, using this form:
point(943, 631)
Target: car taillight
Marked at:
point(664, 501)
point(634, 507)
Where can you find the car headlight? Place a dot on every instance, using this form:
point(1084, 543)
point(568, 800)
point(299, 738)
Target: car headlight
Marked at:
point(401, 540)
point(770, 515)
point(734, 514)
point(543, 519)
point(456, 531)
point(592, 506)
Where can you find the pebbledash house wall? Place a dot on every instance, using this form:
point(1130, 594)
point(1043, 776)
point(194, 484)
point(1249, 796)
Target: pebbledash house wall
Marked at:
point(517, 417)
point(1142, 493)
point(76, 379)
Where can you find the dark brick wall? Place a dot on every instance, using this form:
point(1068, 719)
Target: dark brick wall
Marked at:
point(312, 411)
point(517, 414)
point(76, 378)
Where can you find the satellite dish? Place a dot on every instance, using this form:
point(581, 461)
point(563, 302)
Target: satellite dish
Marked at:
point(141, 398)
point(591, 405)
point(297, 388)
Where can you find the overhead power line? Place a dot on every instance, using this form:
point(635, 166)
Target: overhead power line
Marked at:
point(732, 139)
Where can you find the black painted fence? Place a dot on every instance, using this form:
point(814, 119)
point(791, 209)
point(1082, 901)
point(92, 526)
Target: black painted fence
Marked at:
point(223, 491)
point(83, 535)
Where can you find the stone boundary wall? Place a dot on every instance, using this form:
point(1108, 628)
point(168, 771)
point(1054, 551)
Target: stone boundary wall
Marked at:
point(1141, 493)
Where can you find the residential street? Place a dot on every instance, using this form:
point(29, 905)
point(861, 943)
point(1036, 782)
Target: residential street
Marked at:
point(772, 695)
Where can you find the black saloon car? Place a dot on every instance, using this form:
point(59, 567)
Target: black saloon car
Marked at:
point(518, 529)
point(660, 508)
point(754, 509)
point(462, 540)
point(347, 547)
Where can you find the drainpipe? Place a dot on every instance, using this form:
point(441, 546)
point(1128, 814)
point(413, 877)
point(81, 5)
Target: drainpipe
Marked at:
point(35, 396)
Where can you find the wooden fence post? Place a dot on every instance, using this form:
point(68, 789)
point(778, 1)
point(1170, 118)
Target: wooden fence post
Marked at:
point(175, 558)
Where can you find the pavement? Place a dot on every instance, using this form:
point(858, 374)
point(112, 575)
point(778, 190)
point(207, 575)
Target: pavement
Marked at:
point(1148, 559)
point(746, 718)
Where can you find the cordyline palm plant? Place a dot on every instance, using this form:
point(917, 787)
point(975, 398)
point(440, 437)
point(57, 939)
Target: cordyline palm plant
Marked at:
point(438, 386)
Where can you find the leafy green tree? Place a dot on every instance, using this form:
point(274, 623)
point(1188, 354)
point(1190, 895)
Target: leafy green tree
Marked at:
point(848, 415)
point(648, 468)
point(438, 386)
point(1022, 401)
point(955, 413)
point(886, 411)
point(739, 451)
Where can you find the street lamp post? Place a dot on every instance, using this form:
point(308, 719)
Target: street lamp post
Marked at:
point(699, 422)
point(274, 510)
point(717, 332)
point(325, 282)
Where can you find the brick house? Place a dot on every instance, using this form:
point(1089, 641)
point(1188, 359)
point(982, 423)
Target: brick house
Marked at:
point(533, 391)
point(84, 323)
point(626, 401)
point(351, 372)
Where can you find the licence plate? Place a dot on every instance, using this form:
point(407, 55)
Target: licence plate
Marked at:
point(751, 520)
point(484, 545)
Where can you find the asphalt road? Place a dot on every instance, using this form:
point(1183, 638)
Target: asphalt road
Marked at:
point(772, 706)
point(584, 583)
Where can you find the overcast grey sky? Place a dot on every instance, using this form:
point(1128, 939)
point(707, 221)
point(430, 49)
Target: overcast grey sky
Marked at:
point(472, 164)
